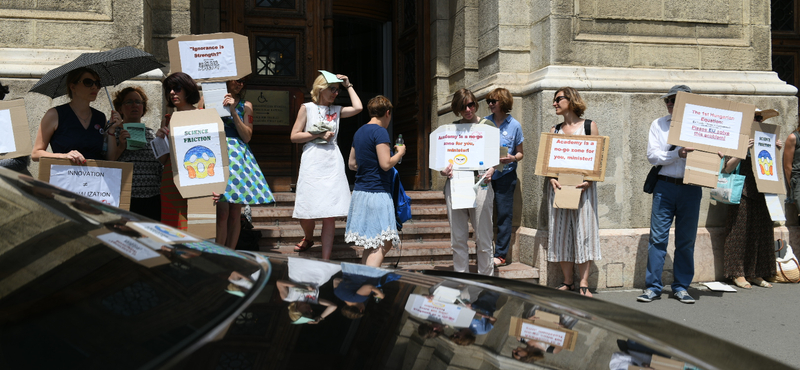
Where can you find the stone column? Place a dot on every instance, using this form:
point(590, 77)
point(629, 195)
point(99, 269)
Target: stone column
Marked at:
point(621, 55)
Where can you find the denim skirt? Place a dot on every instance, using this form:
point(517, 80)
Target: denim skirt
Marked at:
point(371, 220)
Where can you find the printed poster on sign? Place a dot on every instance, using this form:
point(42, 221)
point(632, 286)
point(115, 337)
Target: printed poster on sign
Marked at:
point(542, 334)
point(98, 183)
point(711, 126)
point(203, 59)
point(764, 151)
point(198, 154)
point(461, 148)
point(573, 153)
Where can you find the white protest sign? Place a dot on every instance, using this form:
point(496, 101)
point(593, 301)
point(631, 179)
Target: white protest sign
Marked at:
point(542, 334)
point(465, 145)
point(7, 143)
point(128, 246)
point(213, 95)
point(99, 183)
point(567, 152)
point(204, 59)
point(711, 126)
point(198, 154)
point(162, 233)
point(764, 150)
point(445, 313)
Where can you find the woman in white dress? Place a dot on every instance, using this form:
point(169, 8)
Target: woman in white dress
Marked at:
point(322, 188)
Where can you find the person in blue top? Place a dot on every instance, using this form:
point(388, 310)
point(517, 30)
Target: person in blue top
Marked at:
point(371, 219)
point(504, 181)
point(246, 183)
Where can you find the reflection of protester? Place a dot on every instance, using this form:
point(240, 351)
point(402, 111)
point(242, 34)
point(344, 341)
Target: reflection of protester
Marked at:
point(672, 199)
point(574, 237)
point(246, 183)
point(131, 103)
point(465, 105)
point(504, 182)
point(371, 219)
point(357, 284)
point(633, 353)
point(19, 164)
point(791, 167)
point(322, 188)
point(181, 93)
point(74, 131)
point(302, 297)
point(534, 350)
point(749, 246)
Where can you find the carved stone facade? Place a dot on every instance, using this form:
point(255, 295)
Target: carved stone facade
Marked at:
point(621, 55)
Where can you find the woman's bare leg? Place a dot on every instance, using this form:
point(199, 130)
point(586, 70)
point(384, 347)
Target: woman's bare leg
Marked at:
point(583, 274)
point(374, 256)
point(568, 269)
point(328, 228)
point(222, 222)
point(234, 225)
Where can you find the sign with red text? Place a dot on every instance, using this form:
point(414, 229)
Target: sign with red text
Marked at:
point(211, 57)
point(711, 125)
point(543, 331)
point(444, 313)
point(572, 154)
point(465, 145)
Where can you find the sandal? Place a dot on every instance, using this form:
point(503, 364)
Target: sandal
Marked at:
point(304, 245)
point(585, 291)
point(761, 282)
point(568, 286)
point(742, 283)
point(499, 261)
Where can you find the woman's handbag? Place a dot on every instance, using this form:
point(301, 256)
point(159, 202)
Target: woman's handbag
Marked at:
point(788, 269)
point(729, 186)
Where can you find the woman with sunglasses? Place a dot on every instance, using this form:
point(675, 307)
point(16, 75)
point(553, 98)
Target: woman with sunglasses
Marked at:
point(322, 188)
point(465, 105)
point(246, 183)
point(749, 254)
point(75, 131)
point(504, 182)
point(182, 94)
point(131, 103)
point(574, 233)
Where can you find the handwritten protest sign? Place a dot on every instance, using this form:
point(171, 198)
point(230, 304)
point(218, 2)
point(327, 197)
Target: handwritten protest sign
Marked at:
point(14, 134)
point(711, 126)
point(199, 153)
point(211, 57)
point(764, 154)
point(543, 331)
point(104, 181)
point(131, 248)
point(465, 145)
point(441, 312)
point(568, 154)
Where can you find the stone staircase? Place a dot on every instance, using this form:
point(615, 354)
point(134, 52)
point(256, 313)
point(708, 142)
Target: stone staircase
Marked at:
point(425, 238)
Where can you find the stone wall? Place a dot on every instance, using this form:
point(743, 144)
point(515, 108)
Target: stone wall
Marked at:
point(621, 55)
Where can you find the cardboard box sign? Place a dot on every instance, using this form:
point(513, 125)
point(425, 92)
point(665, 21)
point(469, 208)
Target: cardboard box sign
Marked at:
point(544, 330)
point(15, 140)
point(104, 181)
point(202, 217)
point(199, 153)
point(137, 249)
point(572, 154)
point(765, 156)
point(465, 145)
point(211, 57)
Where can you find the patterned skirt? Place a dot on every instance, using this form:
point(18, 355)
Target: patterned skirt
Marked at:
point(371, 220)
point(246, 183)
point(749, 246)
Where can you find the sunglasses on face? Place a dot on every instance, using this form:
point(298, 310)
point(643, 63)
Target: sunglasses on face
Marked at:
point(88, 82)
point(491, 101)
point(558, 99)
point(177, 89)
point(670, 100)
point(334, 89)
point(470, 105)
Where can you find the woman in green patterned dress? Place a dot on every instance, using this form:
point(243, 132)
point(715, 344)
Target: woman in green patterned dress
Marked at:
point(246, 183)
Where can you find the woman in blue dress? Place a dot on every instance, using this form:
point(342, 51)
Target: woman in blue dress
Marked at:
point(246, 183)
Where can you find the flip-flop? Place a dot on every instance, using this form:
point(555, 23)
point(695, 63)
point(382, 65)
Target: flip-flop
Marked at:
point(584, 290)
point(569, 286)
point(761, 282)
point(502, 260)
point(742, 283)
point(304, 245)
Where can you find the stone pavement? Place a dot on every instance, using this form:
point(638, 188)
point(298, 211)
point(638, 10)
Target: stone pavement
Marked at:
point(763, 320)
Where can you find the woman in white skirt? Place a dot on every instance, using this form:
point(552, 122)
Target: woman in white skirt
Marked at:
point(371, 220)
point(322, 188)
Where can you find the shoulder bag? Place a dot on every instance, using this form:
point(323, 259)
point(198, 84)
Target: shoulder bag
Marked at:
point(729, 186)
point(652, 177)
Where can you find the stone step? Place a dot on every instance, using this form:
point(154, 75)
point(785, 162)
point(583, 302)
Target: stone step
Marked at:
point(419, 250)
point(293, 233)
point(512, 271)
point(283, 214)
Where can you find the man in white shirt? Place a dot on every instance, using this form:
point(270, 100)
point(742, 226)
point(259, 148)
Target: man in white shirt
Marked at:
point(671, 199)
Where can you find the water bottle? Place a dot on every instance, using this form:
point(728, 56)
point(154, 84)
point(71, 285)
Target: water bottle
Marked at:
point(507, 165)
point(399, 142)
point(481, 174)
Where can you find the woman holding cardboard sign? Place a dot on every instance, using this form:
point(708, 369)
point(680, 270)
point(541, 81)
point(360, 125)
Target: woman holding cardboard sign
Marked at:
point(131, 103)
point(75, 131)
point(246, 183)
point(181, 93)
point(322, 188)
point(465, 105)
point(574, 233)
point(749, 253)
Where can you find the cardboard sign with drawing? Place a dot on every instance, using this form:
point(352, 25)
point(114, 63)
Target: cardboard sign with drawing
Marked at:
point(200, 153)
point(573, 160)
